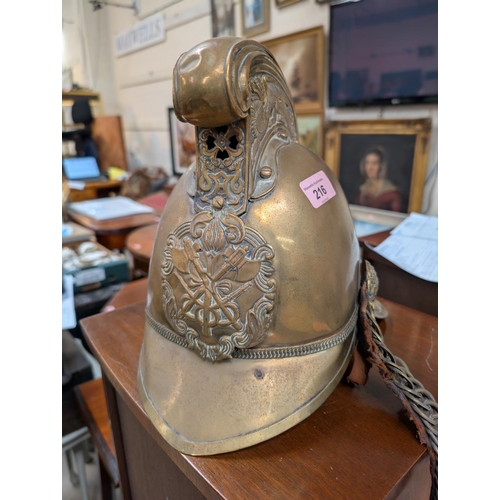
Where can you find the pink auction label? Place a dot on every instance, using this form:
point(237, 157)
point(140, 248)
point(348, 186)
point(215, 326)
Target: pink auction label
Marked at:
point(318, 189)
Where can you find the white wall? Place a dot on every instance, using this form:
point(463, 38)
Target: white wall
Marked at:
point(87, 50)
point(72, 45)
point(144, 78)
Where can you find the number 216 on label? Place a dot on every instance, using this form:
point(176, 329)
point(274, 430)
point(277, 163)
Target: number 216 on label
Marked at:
point(318, 189)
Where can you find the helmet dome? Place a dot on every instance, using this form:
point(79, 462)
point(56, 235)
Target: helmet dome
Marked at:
point(253, 282)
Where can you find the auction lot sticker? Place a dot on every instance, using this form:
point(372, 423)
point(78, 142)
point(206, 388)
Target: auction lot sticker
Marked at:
point(318, 189)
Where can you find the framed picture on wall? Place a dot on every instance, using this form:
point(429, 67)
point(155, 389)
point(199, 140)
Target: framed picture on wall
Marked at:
point(223, 18)
point(301, 58)
point(182, 143)
point(255, 17)
point(310, 129)
point(380, 164)
point(284, 3)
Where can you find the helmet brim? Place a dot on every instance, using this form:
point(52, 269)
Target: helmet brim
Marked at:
point(204, 408)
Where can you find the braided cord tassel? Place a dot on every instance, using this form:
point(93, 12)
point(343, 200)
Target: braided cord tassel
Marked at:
point(419, 402)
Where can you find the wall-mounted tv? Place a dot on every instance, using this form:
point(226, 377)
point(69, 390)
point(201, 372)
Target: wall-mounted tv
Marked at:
point(383, 52)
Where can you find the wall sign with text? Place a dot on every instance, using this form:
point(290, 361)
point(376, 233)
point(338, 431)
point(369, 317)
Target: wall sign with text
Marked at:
point(148, 32)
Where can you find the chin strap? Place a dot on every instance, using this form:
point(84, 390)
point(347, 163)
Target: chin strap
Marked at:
point(371, 348)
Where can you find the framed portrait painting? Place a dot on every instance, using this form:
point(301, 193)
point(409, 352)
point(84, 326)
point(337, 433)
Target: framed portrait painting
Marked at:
point(301, 59)
point(223, 18)
point(182, 143)
point(310, 130)
point(380, 164)
point(255, 17)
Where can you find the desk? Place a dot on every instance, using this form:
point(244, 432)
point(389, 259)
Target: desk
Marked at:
point(112, 233)
point(358, 445)
point(95, 189)
point(396, 284)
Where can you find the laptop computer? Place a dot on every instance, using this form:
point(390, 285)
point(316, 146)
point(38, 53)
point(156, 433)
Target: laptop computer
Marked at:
point(82, 168)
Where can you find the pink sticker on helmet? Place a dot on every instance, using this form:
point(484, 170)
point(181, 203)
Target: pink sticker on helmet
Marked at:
point(318, 189)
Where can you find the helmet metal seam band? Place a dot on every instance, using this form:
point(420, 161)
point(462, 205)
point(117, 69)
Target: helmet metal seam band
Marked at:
point(164, 331)
point(268, 352)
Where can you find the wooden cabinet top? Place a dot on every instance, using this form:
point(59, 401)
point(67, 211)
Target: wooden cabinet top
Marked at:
point(358, 445)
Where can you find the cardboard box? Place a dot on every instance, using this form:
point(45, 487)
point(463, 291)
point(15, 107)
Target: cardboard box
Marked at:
point(101, 275)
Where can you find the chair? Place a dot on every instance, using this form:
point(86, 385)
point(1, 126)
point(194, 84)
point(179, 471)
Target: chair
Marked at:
point(81, 113)
point(75, 435)
point(75, 446)
point(92, 404)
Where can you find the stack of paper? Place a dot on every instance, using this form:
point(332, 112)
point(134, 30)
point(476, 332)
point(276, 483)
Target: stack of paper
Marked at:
point(413, 246)
point(68, 303)
point(110, 208)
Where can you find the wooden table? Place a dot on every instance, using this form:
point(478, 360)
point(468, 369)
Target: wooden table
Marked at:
point(396, 284)
point(140, 241)
point(140, 244)
point(95, 189)
point(130, 293)
point(358, 445)
point(157, 201)
point(112, 233)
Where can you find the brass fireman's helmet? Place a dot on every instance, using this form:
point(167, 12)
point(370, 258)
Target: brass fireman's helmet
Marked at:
point(253, 287)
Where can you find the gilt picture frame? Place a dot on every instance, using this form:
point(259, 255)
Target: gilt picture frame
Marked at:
point(380, 164)
point(255, 17)
point(301, 57)
point(285, 3)
point(310, 128)
point(182, 143)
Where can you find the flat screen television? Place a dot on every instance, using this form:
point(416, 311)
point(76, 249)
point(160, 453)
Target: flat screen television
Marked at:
point(383, 52)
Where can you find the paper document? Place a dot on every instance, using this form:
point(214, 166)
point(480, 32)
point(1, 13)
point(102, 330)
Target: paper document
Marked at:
point(66, 230)
point(68, 304)
point(418, 226)
point(366, 228)
point(413, 246)
point(110, 208)
point(76, 185)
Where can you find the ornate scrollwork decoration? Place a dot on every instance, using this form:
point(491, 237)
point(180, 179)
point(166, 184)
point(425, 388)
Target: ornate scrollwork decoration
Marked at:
point(272, 125)
point(371, 282)
point(222, 167)
point(218, 286)
point(219, 282)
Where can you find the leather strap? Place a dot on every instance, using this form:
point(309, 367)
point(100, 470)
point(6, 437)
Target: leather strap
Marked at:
point(372, 351)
